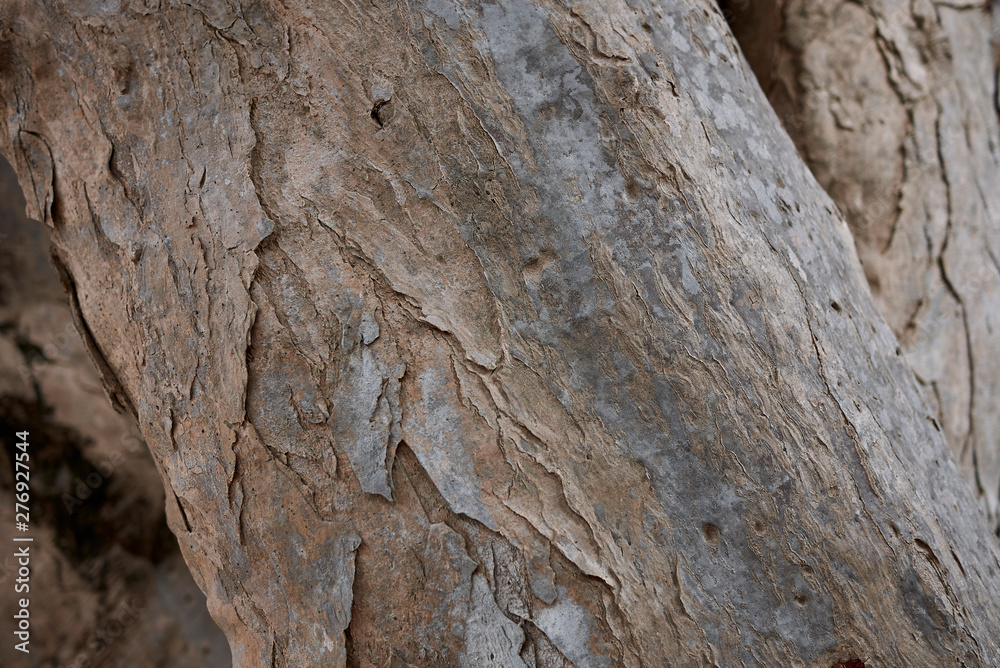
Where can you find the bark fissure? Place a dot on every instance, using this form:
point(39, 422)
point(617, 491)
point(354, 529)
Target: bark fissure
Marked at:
point(954, 293)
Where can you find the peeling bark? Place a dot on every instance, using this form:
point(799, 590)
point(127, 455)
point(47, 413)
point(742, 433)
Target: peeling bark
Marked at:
point(492, 333)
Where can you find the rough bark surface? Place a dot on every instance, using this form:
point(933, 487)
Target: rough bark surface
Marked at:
point(498, 333)
point(108, 585)
point(893, 104)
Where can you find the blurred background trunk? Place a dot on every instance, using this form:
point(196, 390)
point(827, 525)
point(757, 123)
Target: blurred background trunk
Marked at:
point(893, 105)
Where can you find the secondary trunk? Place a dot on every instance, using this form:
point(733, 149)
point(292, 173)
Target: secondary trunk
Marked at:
point(492, 334)
point(893, 104)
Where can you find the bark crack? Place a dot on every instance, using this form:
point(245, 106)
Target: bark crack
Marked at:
point(970, 439)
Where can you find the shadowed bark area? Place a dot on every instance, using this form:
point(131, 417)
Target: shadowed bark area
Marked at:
point(498, 333)
point(893, 104)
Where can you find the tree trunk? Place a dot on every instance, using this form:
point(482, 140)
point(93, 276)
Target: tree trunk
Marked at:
point(894, 107)
point(492, 334)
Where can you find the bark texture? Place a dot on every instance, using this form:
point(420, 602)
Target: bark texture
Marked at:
point(893, 104)
point(492, 333)
point(108, 585)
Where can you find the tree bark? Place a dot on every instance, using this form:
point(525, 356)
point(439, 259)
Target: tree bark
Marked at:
point(894, 107)
point(492, 334)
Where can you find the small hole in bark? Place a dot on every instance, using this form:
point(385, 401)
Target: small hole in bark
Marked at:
point(850, 663)
point(836, 307)
point(801, 600)
point(712, 533)
point(378, 115)
point(758, 526)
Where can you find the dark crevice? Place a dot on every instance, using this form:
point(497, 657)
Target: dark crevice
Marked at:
point(351, 661)
point(757, 26)
point(377, 113)
point(180, 509)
